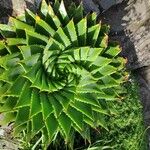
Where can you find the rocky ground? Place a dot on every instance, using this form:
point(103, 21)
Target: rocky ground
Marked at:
point(130, 24)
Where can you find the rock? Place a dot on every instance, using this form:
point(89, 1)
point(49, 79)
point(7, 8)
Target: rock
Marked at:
point(2, 132)
point(15, 8)
point(106, 4)
point(130, 24)
point(7, 142)
point(8, 145)
point(5, 10)
point(89, 6)
point(20, 5)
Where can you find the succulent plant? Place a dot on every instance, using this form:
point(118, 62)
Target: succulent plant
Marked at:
point(58, 73)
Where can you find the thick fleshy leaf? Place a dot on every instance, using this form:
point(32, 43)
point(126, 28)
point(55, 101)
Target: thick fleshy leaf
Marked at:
point(62, 13)
point(52, 126)
point(92, 34)
point(59, 74)
point(65, 123)
point(25, 96)
point(76, 117)
point(30, 17)
point(22, 116)
point(35, 103)
point(34, 38)
point(17, 87)
point(43, 28)
point(71, 33)
point(7, 31)
point(82, 32)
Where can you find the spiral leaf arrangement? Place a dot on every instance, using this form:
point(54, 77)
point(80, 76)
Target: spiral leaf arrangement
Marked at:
point(58, 73)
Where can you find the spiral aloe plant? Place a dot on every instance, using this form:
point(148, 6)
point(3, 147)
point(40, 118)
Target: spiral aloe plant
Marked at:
point(58, 72)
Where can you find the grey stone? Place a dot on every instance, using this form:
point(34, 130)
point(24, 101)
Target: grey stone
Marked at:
point(14, 8)
point(130, 24)
point(106, 4)
point(7, 142)
point(89, 6)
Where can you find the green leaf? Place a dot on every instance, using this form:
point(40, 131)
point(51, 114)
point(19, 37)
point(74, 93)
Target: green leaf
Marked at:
point(65, 123)
point(47, 108)
point(38, 80)
point(19, 129)
point(76, 117)
point(84, 51)
point(105, 29)
point(94, 53)
point(78, 14)
point(17, 87)
point(107, 70)
point(81, 28)
point(100, 121)
point(2, 46)
point(28, 51)
point(31, 74)
point(83, 108)
point(8, 117)
point(89, 122)
point(71, 10)
point(77, 54)
point(101, 61)
point(102, 41)
point(62, 13)
point(91, 19)
point(22, 116)
point(113, 51)
point(3, 88)
point(52, 126)
point(109, 81)
point(30, 17)
point(37, 123)
point(43, 28)
point(61, 37)
point(7, 31)
point(92, 34)
point(34, 38)
point(56, 105)
point(35, 103)
point(52, 45)
point(45, 85)
point(64, 100)
point(89, 88)
point(15, 41)
point(70, 31)
point(53, 20)
point(25, 97)
point(46, 139)
point(59, 74)
point(88, 98)
point(8, 105)
point(43, 9)
point(100, 110)
point(21, 25)
point(56, 6)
